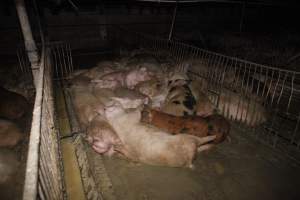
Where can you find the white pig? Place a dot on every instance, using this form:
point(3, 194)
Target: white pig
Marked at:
point(234, 106)
point(130, 98)
point(124, 78)
point(150, 145)
point(86, 105)
point(103, 137)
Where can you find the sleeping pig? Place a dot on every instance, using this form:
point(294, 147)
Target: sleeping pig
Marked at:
point(180, 101)
point(12, 105)
point(150, 88)
point(86, 105)
point(124, 78)
point(241, 108)
point(10, 134)
point(150, 145)
point(193, 125)
point(102, 137)
point(130, 98)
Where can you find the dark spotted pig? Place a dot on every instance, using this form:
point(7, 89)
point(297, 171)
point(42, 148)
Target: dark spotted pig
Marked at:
point(180, 101)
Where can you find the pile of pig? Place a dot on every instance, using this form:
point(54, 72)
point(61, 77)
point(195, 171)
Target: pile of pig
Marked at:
point(14, 110)
point(145, 110)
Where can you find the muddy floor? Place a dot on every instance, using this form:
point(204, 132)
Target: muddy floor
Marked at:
point(240, 169)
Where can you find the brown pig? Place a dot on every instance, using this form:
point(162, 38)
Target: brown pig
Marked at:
point(12, 105)
point(193, 125)
point(10, 134)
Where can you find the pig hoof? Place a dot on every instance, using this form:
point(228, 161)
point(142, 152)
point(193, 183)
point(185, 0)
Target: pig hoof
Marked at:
point(191, 166)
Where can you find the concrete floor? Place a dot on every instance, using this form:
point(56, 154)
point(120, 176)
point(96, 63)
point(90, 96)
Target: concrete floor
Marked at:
point(240, 169)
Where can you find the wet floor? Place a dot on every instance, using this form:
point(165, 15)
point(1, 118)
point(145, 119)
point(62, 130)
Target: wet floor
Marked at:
point(240, 169)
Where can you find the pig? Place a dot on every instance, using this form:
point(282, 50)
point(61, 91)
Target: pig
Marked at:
point(133, 77)
point(102, 68)
point(81, 81)
point(124, 78)
point(146, 61)
point(102, 137)
point(204, 106)
point(10, 134)
point(104, 95)
point(130, 98)
point(109, 84)
point(180, 101)
point(150, 88)
point(86, 105)
point(150, 145)
point(198, 87)
point(9, 166)
point(13, 106)
point(240, 108)
point(78, 72)
point(220, 73)
point(193, 125)
point(177, 79)
point(156, 90)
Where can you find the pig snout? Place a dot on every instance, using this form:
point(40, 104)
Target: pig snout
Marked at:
point(100, 145)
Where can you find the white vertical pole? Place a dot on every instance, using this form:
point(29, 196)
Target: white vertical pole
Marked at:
point(28, 39)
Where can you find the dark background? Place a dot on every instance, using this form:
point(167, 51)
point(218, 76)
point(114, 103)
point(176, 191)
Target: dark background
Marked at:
point(262, 31)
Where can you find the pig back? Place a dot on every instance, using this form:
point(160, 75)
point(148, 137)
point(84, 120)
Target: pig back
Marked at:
point(86, 106)
point(10, 134)
point(12, 105)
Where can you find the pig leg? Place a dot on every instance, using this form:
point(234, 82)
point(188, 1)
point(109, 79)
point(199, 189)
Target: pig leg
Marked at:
point(205, 140)
point(124, 153)
point(110, 152)
point(205, 147)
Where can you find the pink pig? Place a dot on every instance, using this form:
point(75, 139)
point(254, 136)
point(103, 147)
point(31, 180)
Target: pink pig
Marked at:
point(133, 77)
point(124, 78)
point(102, 137)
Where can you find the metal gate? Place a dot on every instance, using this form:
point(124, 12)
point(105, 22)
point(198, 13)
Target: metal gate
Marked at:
point(43, 178)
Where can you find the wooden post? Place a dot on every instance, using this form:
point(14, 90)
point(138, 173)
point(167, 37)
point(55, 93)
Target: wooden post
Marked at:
point(28, 39)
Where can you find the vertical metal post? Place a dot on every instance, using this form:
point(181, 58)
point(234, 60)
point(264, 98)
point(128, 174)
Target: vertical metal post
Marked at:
point(173, 22)
point(28, 39)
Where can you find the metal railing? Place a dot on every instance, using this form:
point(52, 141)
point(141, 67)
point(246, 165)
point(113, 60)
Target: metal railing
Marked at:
point(276, 90)
point(43, 178)
point(61, 59)
point(255, 88)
